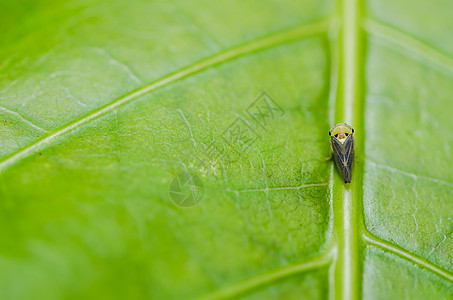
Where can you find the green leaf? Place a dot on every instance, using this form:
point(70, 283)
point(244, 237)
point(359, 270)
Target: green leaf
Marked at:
point(105, 104)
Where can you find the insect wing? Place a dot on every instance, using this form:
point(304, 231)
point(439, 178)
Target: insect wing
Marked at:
point(344, 156)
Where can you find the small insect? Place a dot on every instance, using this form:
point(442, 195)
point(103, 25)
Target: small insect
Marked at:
point(342, 141)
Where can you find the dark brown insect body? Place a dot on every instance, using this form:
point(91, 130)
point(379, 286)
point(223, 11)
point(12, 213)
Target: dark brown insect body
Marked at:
point(342, 141)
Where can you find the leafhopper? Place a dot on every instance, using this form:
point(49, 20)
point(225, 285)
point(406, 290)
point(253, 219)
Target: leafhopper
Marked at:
point(342, 142)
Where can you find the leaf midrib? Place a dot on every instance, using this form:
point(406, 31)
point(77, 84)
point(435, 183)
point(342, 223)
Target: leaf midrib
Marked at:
point(346, 198)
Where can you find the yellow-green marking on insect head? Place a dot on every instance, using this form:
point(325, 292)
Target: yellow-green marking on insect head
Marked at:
point(342, 141)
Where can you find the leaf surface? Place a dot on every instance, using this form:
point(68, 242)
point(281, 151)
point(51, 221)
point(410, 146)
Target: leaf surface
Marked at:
point(104, 103)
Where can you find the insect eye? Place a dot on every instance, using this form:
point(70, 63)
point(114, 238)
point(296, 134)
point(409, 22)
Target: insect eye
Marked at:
point(336, 135)
point(346, 134)
point(329, 133)
point(352, 130)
